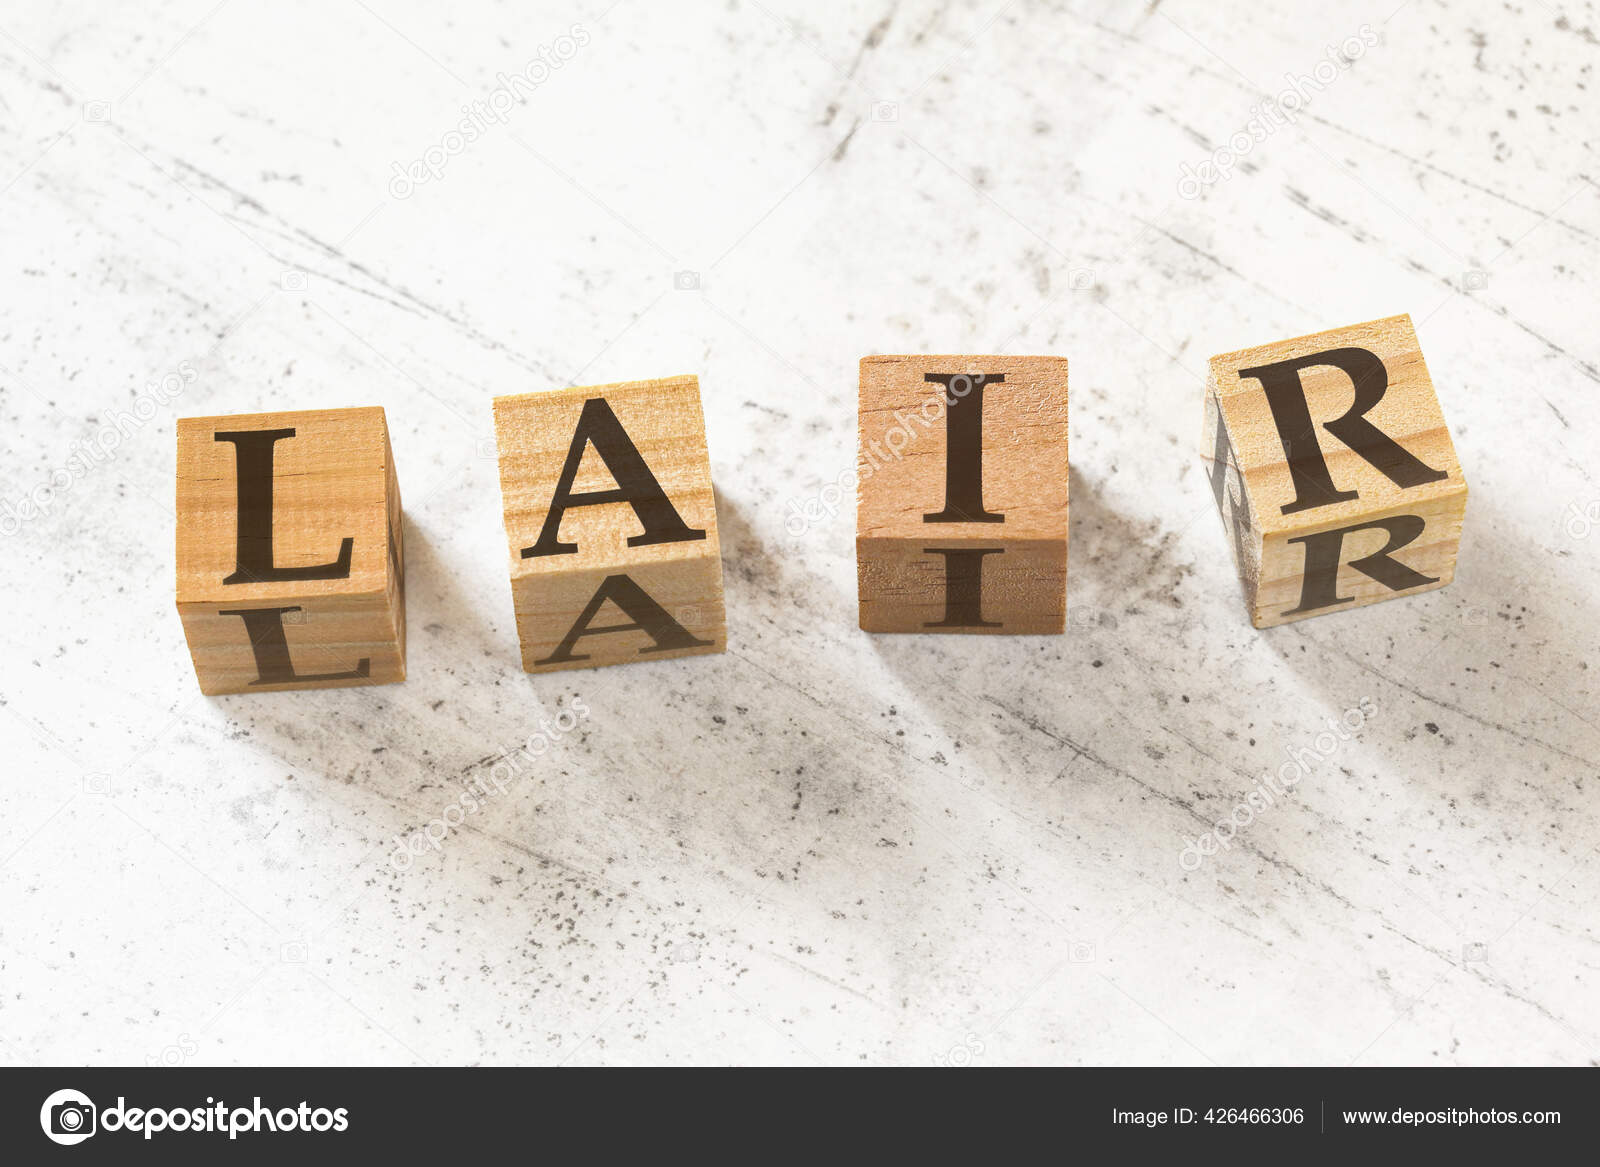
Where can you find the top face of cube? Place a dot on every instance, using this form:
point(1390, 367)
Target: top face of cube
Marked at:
point(947, 443)
point(274, 505)
point(1328, 427)
point(640, 439)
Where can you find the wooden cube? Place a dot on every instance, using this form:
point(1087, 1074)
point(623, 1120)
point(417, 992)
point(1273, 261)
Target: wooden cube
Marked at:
point(612, 524)
point(961, 498)
point(290, 566)
point(1333, 470)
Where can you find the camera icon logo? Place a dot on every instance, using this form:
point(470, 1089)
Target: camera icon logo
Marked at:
point(68, 1117)
point(885, 111)
point(1081, 952)
point(97, 111)
point(1582, 520)
point(1474, 281)
point(685, 953)
point(293, 952)
point(292, 281)
point(686, 281)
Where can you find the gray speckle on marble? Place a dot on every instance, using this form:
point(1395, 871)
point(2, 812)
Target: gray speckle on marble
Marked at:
point(821, 846)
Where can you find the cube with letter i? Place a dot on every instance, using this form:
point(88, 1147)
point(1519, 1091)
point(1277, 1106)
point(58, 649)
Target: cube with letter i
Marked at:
point(611, 523)
point(289, 550)
point(1334, 471)
point(961, 496)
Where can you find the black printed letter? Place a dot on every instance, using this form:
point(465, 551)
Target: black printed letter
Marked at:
point(1321, 586)
point(254, 538)
point(1287, 398)
point(264, 626)
point(648, 617)
point(963, 586)
point(598, 426)
point(1222, 458)
point(963, 460)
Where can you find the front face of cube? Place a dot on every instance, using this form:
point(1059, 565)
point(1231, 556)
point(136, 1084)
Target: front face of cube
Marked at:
point(289, 555)
point(611, 524)
point(1334, 471)
point(961, 518)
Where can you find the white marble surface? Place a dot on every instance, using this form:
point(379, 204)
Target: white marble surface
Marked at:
point(821, 846)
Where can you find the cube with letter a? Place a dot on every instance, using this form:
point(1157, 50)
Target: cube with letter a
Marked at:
point(612, 524)
point(291, 573)
point(1334, 472)
point(961, 497)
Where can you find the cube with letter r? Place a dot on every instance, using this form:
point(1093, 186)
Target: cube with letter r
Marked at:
point(1333, 470)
